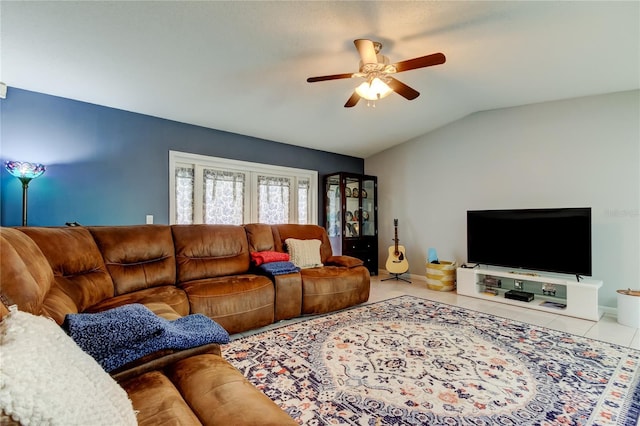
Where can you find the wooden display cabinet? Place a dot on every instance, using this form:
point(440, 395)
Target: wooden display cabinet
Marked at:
point(351, 216)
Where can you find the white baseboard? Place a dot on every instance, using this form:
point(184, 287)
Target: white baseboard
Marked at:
point(608, 310)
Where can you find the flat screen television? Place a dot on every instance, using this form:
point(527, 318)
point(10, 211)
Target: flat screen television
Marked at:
point(550, 240)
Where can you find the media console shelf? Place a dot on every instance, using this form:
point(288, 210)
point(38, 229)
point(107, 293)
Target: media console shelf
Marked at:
point(560, 296)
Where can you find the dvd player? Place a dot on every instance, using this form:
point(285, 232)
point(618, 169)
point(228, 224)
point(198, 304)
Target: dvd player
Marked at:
point(523, 296)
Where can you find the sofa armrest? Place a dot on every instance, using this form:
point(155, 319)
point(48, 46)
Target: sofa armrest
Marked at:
point(159, 360)
point(220, 395)
point(346, 261)
point(288, 289)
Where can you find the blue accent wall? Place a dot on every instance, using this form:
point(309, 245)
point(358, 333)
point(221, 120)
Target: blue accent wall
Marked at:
point(110, 167)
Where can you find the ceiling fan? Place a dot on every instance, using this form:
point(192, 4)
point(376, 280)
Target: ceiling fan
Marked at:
point(377, 71)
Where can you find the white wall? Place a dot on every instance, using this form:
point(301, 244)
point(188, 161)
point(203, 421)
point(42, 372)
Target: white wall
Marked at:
point(581, 152)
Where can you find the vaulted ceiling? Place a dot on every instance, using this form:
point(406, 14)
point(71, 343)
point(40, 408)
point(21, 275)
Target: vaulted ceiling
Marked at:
point(242, 66)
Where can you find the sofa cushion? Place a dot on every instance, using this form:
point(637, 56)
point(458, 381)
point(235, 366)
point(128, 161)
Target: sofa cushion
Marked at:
point(346, 261)
point(163, 310)
point(137, 257)
point(260, 237)
point(238, 302)
point(170, 295)
point(209, 251)
point(302, 232)
point(331, 288)
point(78, 268)
point(304, 253)
point(69, 388)
point(26, 276)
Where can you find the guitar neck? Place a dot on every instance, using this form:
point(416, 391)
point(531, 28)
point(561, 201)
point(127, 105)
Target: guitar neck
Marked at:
point(396, 241)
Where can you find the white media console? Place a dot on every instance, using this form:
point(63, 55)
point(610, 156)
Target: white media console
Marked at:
point(560, 296)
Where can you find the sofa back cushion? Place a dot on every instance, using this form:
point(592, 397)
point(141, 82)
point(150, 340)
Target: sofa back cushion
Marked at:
point(137, 257)
point(209, 251)
point(78, 269)
point(302, 232)
point(259, 237)
point(25, 274)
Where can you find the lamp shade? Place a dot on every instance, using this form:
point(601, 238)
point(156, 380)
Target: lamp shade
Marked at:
point(374, 90)
point(23, 170)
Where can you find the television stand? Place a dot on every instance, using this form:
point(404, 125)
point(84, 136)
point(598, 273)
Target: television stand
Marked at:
point(550, 293)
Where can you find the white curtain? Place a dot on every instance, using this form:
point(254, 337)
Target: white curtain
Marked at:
point(184, 195)
point(273, 199)
point(303, 201)
point(223, 197)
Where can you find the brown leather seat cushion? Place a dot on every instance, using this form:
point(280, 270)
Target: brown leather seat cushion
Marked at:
point(170, 295)
point(238, 303)
point(331, 288)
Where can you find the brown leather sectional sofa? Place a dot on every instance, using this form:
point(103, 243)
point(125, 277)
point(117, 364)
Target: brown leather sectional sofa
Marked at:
point(175, 271)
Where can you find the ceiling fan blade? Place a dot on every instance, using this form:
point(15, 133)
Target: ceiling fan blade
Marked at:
point(353, 100)
point(366, 50)
point(402, 89)
point(329, 77)
point(421, 62)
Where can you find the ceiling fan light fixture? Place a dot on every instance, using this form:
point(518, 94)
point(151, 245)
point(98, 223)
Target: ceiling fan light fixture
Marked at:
point(374, 90)
point(377, 71)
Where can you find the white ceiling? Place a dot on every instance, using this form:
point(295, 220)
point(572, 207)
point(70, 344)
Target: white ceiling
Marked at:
point(242, 66)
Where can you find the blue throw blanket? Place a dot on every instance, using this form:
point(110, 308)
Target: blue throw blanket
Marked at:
point(126, 333)
point(278, 268)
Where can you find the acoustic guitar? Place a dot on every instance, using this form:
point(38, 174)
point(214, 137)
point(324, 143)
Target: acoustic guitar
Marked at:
point(397, 261)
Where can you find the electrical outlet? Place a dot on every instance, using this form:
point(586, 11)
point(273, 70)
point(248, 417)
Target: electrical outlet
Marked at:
point(517, 284)
point(149, 219)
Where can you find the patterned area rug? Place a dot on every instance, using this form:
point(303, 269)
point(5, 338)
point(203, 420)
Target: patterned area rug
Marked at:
point(411, 361)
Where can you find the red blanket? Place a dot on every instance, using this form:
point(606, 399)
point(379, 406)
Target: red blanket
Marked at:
point(260, 257)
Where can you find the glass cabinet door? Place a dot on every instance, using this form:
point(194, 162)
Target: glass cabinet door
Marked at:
point(368, 209)
point(352, 207)
point(333, 206)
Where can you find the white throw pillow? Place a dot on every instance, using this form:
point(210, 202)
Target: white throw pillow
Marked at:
point(304, 253)
point(46, 379)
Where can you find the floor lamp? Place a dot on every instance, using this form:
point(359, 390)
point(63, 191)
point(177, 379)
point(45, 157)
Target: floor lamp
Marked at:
point(25, 172)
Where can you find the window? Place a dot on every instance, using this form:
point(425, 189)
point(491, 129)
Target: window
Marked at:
point(216, 190)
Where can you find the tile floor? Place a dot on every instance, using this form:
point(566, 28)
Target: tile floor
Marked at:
point(607, 329)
